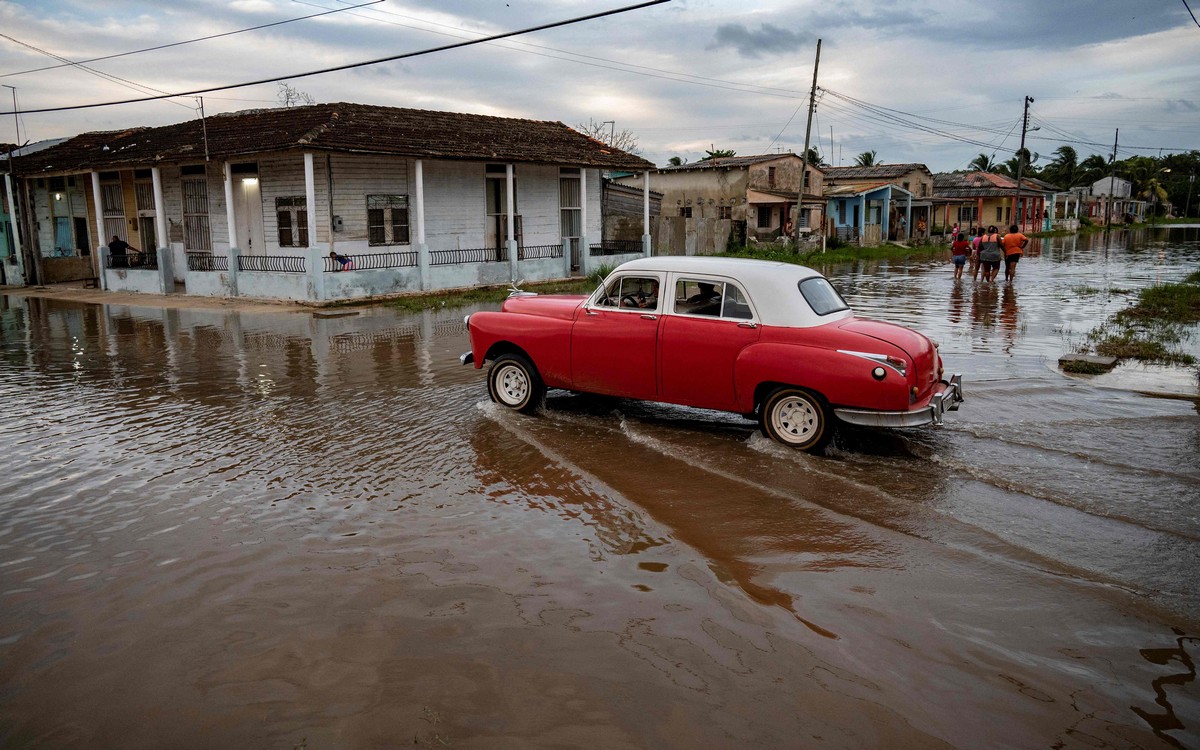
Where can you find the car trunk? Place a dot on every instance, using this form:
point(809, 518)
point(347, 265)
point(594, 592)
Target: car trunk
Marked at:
point(923, 358)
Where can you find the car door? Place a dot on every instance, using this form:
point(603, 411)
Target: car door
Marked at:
point(710, 322)
point(614, 341)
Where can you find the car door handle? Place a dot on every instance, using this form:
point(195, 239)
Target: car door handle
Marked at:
point(747, 325)
point(649, 317)
point(590, 312)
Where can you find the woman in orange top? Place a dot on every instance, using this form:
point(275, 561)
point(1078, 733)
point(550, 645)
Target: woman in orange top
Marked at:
point(1014, 242)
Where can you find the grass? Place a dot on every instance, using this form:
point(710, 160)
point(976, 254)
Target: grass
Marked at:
point(1079, 367)
point(1151, 329)
point(842, 254)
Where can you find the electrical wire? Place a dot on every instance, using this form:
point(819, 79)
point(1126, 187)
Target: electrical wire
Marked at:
point(350, 66)
point(188, 41)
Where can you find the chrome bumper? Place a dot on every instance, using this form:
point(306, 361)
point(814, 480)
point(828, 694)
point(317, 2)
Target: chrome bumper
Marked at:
point(466, 358)
point(947, 400)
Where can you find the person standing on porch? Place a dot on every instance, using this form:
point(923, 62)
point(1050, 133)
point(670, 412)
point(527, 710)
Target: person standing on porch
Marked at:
point(119, 250)
point(921, 230)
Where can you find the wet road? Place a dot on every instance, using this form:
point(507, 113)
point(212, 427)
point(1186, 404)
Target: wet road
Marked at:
point(268, 529)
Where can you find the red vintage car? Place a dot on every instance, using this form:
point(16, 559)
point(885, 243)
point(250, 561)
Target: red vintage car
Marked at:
point(771, 341)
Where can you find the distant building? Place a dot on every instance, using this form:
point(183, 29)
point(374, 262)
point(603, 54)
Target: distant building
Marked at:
point(989, 198)
point(743, 196)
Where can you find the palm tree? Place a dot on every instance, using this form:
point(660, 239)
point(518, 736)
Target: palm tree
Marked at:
point(675, 161)
point(1064, 168)
point(1091, 169)
point(983, 163)
point(718, 153)
point(866, 159)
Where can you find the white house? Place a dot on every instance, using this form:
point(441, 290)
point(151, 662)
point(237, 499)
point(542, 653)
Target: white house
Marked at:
point(253, 203)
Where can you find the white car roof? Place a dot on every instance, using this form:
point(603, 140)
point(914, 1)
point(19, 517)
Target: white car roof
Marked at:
point(773, 287)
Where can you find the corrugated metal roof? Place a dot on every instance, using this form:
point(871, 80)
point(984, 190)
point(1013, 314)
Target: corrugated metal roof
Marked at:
point(339, 127)
point(876, 172)
point(838, 191)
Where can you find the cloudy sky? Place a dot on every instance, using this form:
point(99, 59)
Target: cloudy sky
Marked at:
point(937, 81)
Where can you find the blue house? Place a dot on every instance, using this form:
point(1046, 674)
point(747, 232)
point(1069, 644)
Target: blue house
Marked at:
point(867, 214)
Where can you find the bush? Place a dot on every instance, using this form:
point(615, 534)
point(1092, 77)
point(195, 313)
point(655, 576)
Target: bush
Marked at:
point(1085, 221)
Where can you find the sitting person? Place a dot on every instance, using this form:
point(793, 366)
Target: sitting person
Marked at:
point(707, 295)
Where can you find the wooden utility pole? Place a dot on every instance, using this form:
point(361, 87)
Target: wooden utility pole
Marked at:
point(812, 105)
point(1018, 211)
point(1112, 182)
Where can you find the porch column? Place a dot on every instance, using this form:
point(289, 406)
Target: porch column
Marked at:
point(907, 218)
point(160, 210)
point(511, 242)
point(230, 210)
point(310, 199)
point(14, 212)
point(646, 213)
point(862, 219)
point(885, 218)
point(583, 226)
point(979, 215)
point(419, 224)
point(99, 256)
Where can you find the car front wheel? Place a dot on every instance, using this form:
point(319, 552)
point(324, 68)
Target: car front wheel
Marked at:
point(514, 382)
point(797, 418)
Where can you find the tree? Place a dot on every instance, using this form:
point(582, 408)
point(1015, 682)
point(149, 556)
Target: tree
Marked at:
point(983, 163)
point(606, 132)
point(718, 153)
point(290, 96)
point(814, 157)
point(867, 159)
point(1092, 168)
point(1063, 169)
point(675, 161)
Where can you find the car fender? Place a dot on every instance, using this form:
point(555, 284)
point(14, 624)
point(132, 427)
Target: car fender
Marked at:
point(546, 341)
point(842, 379)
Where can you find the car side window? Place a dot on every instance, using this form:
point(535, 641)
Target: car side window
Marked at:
point(736, 305)
point(694, 297)
point(631, 293)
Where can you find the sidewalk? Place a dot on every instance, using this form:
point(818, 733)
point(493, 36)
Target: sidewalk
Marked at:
point(74, 291)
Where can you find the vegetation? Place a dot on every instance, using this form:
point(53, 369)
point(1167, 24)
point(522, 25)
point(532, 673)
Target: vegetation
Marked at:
point(1080, 367)
point(718, 153)
point(1152, 329)
point(867, 159)
point(839, 253)
point(624, 140)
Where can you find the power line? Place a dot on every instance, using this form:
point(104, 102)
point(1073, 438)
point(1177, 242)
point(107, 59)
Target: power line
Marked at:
point(1190, 13)
point(616, 65)
point(187, 41)
point(349, 66)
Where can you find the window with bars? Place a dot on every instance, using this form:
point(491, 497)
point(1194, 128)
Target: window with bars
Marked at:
point(291, 213)
point(113, 207)
point(724, 212)
point(968, 214)
point(387, 220)
point(685, 212)
point(570, 206)
point(196, 235)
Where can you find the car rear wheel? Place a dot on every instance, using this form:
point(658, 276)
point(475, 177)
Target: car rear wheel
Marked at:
point(797, 418)
point(514, 382)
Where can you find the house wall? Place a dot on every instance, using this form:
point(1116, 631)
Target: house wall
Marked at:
point(72, 204)
point(787, 176)
point(703, 191)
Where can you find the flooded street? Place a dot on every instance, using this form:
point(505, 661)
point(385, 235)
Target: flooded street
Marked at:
point(268, 529)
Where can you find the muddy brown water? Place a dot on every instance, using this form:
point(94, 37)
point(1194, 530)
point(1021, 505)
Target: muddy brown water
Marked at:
point(264, 529)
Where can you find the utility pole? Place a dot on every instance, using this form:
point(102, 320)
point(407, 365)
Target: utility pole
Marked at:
point(1191, 181)
point(1021, 164)
point(812, 104)
point(1112, 182)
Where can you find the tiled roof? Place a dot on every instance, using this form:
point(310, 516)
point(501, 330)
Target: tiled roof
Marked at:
point(984, 185)
point(876, 172)
point(339, 127)
point(735, 162)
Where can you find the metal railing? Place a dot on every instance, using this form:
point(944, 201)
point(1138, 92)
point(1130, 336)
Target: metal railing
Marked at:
point(616, 247)
point(146, 260)
point(271, 263)
point(207, 262)
point(530, 252)
point(474, 255)
point(372, 261)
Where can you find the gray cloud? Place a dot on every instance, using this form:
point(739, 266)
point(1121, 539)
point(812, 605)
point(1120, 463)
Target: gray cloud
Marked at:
point(768, 40)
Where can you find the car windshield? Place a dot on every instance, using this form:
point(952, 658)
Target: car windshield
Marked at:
point(821, 296)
